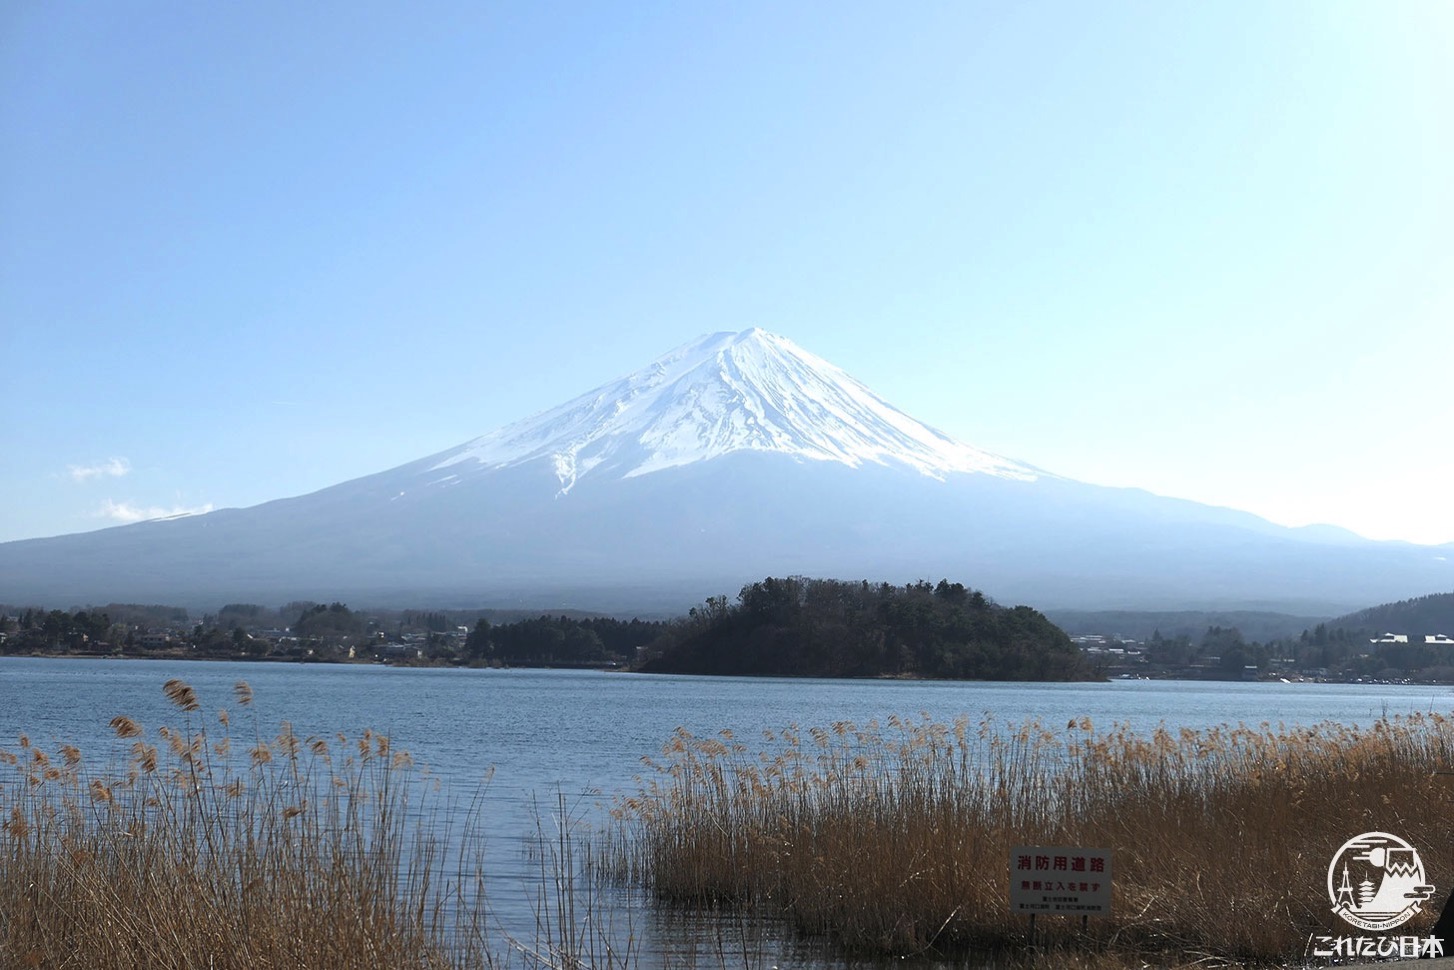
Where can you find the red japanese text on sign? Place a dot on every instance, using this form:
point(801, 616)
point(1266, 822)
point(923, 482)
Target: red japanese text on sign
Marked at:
point(1047, 879)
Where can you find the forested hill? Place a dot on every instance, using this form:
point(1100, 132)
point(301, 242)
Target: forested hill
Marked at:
point(1423, 615)
point(800, 627)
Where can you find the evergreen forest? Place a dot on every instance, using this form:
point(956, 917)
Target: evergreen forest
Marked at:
point(802, 627)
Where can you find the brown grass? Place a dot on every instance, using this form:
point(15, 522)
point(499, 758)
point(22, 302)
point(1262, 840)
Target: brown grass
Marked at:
point(896, 840)
point(281, 852)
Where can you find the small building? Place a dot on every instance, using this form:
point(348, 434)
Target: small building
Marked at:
point(1438, 638)
point(1392, 638)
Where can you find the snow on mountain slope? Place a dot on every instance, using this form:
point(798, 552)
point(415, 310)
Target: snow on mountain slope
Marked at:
point(724, 393)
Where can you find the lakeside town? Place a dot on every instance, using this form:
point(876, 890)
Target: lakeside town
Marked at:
point(1125, 657)
point(306, 632)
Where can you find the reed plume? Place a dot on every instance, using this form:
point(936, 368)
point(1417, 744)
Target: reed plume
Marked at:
point(182, 695)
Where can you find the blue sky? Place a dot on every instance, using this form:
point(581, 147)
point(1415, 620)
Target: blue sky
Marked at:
point(252, 250)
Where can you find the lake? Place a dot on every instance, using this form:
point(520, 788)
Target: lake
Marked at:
point(578, 737)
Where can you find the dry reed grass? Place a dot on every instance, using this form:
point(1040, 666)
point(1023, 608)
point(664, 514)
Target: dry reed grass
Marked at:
point(204, 850)
point(896, 840)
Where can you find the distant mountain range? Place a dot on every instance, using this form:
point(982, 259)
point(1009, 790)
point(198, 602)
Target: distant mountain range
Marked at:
point(732, 458)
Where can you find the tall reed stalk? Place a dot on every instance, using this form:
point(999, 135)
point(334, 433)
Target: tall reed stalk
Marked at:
point(895, 839)
point(208, 850)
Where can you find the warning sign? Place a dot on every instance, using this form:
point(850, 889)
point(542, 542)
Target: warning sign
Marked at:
point(1060, 879)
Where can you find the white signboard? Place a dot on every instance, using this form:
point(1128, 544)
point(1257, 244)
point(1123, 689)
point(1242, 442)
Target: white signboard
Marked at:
point(1067, 880)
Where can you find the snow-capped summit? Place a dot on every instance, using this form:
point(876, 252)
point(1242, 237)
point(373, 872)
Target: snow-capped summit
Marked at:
point(723, 393)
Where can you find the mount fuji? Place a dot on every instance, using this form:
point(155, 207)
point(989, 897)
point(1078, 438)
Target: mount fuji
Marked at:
point(733, 457)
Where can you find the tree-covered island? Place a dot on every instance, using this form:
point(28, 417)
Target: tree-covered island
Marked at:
point(798, 627)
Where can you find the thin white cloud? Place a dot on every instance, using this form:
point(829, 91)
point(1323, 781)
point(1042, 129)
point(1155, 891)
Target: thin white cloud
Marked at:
point(127, 512)
point(110, 468)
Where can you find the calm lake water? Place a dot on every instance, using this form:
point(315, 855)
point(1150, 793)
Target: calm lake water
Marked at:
point(544, 736)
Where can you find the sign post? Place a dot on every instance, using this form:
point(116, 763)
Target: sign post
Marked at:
point(1060, 880)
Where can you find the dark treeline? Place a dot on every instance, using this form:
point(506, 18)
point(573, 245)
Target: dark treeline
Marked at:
point(1421, 615)
point(319, 632)
point(830, 628)
point(433, 621)
point(552, 640)
point(39, 630)
point(321, 621)
point(124, 613)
